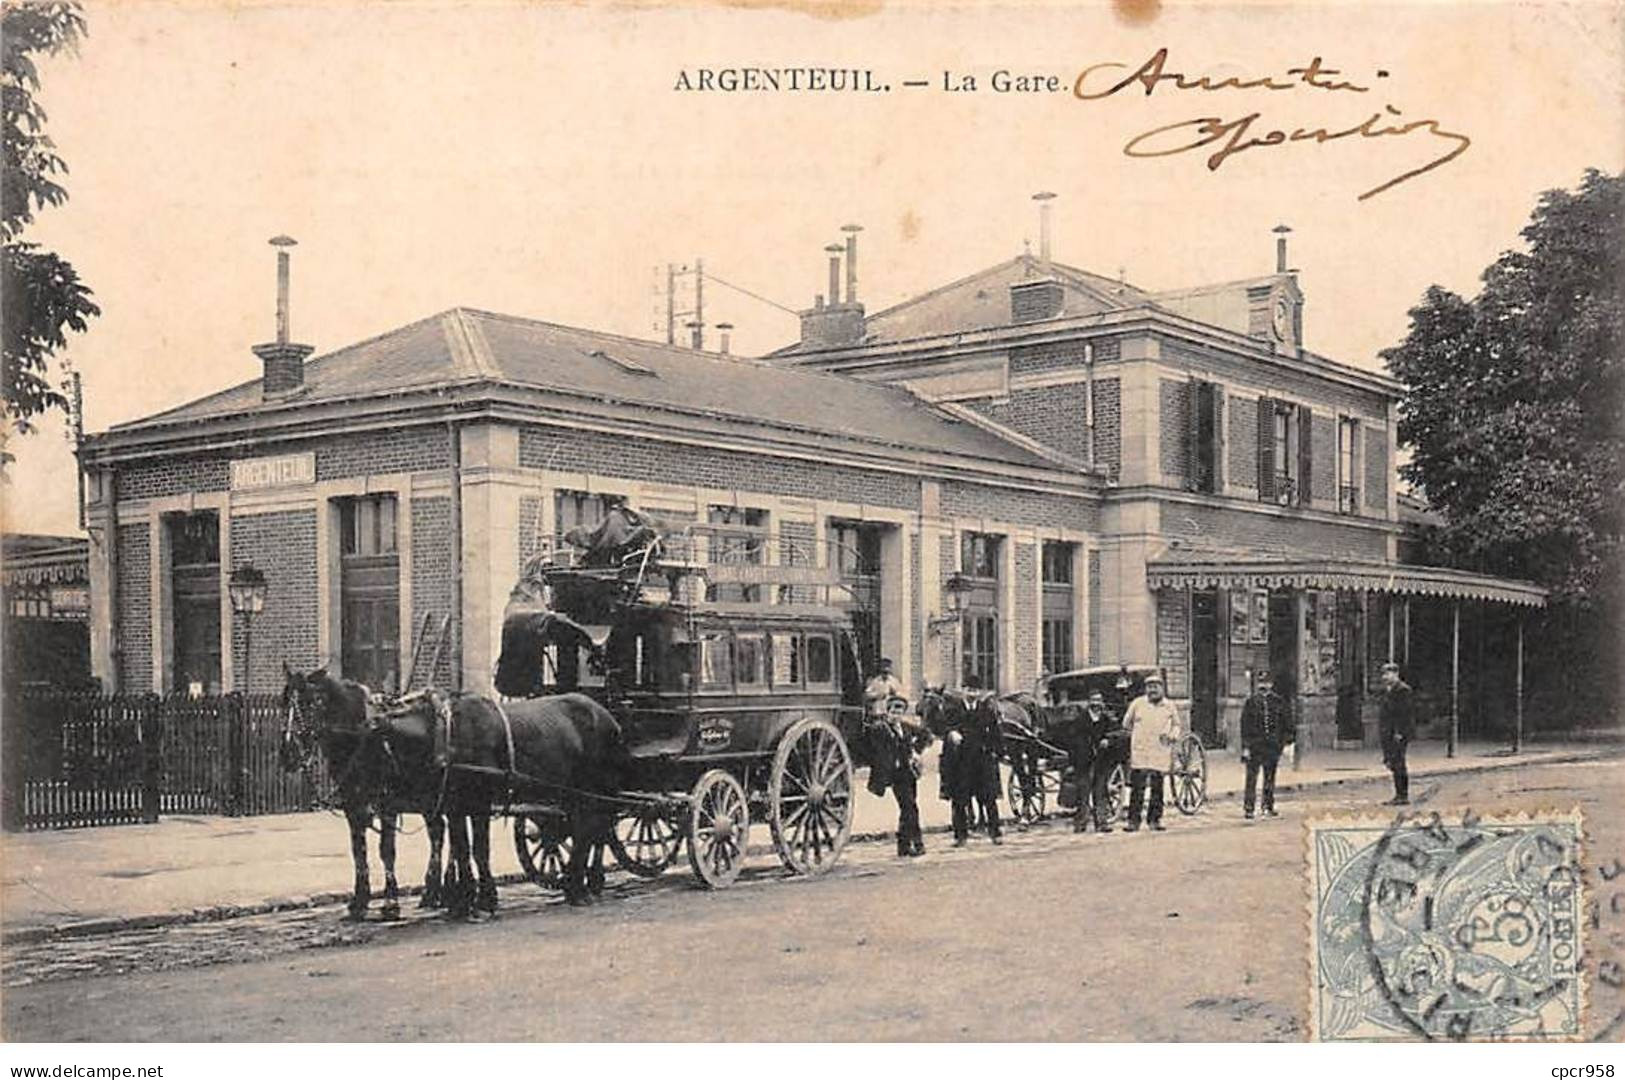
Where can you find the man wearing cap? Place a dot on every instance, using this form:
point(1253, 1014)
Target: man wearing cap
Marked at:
point(1152, 722)
point(1266, 727)
point(1396, 728)
point(1098, 749)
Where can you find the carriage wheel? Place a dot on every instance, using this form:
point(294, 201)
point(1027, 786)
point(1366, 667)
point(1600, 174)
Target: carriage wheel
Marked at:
point(645, 841)
point(1188, 775)
point(1116, 790)
point(809, 794)
point(1027, 801)
point(718, 826)
point(542, 842)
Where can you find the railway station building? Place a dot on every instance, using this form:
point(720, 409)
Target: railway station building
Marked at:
point(1030, 469)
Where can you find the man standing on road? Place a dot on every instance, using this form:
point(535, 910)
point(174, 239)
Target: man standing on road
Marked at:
point(1396, 729)
point(1098, 751)
point(896, 743)
point(1152, 722)
point(1266, 727)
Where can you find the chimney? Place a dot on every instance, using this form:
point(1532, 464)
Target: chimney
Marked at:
point(834, 323)
point(725, 328)
point(1043, 199)
point(834, 251)
point(1280, 232)
point(851, 232)
point(283, 359)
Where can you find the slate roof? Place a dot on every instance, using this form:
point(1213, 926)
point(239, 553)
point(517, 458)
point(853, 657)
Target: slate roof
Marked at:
point(463, 347)
point(982, 300)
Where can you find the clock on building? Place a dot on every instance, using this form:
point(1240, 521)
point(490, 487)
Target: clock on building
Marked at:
point(1282, 318)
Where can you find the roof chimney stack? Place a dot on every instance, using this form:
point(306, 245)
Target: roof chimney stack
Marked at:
point(283, 359)
point(834, 251)
point(1280, 232)
point(1043, 199)
point(851, 232)
point(725, 328)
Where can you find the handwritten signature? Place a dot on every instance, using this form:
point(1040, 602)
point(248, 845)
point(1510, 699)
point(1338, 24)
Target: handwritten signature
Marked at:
point(1229, 137)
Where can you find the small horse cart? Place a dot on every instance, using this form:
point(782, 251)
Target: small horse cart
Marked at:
point(733, 711)
point(1036, 747)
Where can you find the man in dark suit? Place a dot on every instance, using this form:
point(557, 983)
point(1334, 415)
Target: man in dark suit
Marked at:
point(1266, 727)
point(1097, 749)
point(1396, 729)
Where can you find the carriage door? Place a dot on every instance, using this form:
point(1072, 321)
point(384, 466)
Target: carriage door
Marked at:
point(369, 592)
point(855, 552)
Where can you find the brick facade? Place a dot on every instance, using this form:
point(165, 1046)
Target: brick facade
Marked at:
point(1264, 534)
point(283, 547)
point(135, 607)
point(646, 459)
point(1057, 416)
point(1376, 469)
point(1174, 410)
point(432, 570)
point(530, 530)
point(1109, 426)
point(1059, 356)
point(1022, 507)
point(798, 546)
point(1243, 442)
point(366, 453)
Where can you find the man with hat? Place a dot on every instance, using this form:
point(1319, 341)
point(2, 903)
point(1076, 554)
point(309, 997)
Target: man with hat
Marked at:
point(1152, 722)
point(895, 745)
point(1396, 728)
point(1097, 750)
point(1266, 727)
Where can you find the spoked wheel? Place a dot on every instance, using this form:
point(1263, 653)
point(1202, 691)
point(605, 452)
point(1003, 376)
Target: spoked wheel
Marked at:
point(809, 794)
point(1027, 801)
point(542, 842)
point(645, 841)
point(718, 827)
point(1116, 792)
point(1188, 774)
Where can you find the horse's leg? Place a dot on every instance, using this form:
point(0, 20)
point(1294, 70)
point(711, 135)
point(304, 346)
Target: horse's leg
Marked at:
point(386, 854)
point(459, 893)
point(433, 897)
point(575, 874)
point(358, 821)
point(481, 824)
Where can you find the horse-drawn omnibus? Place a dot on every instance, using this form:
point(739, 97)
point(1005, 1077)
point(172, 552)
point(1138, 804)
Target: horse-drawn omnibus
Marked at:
point(733, 711)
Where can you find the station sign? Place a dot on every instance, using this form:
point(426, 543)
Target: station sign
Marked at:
point(286, 470)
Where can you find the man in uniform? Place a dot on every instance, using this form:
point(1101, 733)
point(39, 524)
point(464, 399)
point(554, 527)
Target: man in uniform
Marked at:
point(1266, 727)
point(1153, 724)
point(1097, 753)
point(1396, 729)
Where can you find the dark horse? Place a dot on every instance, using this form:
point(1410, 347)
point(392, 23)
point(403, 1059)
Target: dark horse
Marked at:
point(330, 715)
point(564, 750)
point(968, 725)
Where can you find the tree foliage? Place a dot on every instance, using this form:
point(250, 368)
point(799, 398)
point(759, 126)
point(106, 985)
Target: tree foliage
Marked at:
point(1513, 407)
point(42, 295)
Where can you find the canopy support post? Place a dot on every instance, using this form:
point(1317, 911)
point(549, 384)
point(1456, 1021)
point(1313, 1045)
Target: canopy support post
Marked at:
point(1517, 708)
point(1455, 676)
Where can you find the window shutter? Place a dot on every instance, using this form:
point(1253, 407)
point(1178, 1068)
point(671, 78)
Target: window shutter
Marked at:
point(1306, 430)
point(1192, 419)
point(1216, 443)
point(1266, 449)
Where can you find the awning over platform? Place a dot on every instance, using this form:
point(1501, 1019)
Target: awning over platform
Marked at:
point(1178, 572)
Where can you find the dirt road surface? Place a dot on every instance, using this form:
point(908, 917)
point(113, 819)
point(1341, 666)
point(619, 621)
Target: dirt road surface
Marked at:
point(1197, 933)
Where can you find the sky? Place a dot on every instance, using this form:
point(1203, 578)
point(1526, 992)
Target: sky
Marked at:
point(537, 160)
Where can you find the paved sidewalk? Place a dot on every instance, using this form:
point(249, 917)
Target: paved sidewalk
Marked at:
point(87, 880)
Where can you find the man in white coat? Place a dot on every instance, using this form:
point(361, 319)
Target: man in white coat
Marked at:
point(1153, 724)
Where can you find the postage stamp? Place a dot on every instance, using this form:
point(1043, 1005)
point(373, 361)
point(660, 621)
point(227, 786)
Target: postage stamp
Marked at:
point(1465, 928)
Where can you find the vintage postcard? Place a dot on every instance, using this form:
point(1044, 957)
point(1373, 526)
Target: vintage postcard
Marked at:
point(857, 522)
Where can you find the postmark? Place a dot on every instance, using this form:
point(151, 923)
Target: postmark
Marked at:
point(1424, 927)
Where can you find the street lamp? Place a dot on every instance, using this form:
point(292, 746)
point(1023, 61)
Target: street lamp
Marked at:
point(247, 588)
point(956, 588)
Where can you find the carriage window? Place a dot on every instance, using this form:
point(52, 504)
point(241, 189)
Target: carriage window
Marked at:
point(820, 660)
point(716, 660)
point(751, 664)
point(786, 660)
